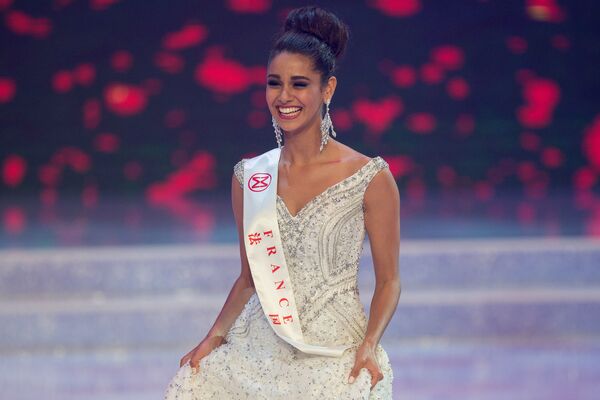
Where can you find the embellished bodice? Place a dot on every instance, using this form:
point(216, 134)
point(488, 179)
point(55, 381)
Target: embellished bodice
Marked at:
point(322, 245)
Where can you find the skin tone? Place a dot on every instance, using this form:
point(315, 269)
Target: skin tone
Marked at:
point(305, 172)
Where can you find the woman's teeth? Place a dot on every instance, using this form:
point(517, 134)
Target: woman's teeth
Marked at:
point(289, 110)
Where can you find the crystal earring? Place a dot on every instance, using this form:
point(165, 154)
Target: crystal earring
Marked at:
point(277, 132)
point(326, 127)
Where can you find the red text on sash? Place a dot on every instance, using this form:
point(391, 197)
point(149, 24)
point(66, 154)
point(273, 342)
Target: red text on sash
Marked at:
point(279, 288)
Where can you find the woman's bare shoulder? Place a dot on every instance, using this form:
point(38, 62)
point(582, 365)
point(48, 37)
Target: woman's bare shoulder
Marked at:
point(351, 157)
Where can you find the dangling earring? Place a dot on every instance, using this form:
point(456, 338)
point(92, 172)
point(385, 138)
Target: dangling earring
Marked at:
point(326, 127)
point(277, 132)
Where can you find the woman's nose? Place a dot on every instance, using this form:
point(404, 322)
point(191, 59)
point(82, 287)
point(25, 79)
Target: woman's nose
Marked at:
point(285, 93)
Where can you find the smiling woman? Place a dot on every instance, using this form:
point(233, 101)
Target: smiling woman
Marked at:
point(301, 67)
point(293, 326)
point(296, 101)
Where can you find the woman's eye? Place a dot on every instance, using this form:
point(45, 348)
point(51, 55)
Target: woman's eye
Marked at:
point(275, 83)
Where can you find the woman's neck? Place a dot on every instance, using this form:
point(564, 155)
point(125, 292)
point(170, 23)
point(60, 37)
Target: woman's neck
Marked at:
point(303, 148)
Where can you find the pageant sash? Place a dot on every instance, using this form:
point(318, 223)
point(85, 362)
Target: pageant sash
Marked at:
point(265, 253)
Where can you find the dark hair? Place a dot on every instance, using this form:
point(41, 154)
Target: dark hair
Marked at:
point(316, 33)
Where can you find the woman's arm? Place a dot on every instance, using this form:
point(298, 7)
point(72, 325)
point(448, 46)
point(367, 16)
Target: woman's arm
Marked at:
point(243, 287)
point(240, 293)
point(382, 222)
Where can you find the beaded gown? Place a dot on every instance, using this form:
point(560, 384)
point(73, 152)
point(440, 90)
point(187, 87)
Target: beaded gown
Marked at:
point(322, 244)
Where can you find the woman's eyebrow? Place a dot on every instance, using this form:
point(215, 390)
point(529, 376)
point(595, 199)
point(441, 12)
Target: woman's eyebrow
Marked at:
point(293, 77)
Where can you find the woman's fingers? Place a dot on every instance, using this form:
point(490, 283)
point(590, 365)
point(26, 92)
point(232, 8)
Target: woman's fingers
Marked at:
point(184, 360)
point(195, 368)
point(354, 372)
point(195, 364)
point(374, 371)
point(376, 375)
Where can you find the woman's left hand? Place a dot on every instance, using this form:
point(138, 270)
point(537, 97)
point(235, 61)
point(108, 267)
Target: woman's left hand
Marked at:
point(365, 358)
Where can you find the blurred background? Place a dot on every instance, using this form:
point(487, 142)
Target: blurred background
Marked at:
point(120, 124)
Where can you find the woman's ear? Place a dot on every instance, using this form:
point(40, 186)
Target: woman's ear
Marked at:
point(331, 84)
point(329, 88)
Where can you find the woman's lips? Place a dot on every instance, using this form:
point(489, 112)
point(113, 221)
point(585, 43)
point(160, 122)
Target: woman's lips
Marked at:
point(290, 114)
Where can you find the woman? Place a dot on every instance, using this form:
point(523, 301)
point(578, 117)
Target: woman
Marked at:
point(326, 196)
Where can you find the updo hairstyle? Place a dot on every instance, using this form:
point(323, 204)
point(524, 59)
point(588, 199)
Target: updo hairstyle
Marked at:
point(316, 33)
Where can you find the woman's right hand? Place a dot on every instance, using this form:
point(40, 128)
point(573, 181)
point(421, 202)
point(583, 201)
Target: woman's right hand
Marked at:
point(204, 348)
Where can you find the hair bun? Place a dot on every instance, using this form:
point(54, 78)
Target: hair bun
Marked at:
point(321, 23)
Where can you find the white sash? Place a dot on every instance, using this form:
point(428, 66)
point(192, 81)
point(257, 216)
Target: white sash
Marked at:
point(265, 253)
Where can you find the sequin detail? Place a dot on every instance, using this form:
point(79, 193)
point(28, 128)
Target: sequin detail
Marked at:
point(322, 245)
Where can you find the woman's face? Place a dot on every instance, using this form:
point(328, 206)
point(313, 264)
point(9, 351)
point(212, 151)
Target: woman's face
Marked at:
point(294, 93)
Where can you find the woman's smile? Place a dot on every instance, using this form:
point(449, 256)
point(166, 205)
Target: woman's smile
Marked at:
point(289, 112)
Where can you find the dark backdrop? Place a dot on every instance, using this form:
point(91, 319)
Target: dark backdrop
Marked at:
point(161, 98)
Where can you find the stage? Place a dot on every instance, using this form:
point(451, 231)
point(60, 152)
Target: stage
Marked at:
point(495, 314)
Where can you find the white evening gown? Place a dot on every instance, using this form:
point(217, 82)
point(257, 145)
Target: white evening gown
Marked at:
point(322, 246)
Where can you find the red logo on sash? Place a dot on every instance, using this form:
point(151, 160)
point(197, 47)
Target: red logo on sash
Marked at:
point(259, 182)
